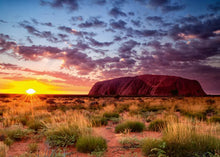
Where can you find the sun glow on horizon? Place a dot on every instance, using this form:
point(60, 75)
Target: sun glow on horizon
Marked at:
point(30, 91)
point(21, 87)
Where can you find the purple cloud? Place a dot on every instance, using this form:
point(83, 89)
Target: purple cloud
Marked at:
point(92, 22)
point(116, 12)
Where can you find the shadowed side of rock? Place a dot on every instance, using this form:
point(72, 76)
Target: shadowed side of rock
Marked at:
point(148, 85)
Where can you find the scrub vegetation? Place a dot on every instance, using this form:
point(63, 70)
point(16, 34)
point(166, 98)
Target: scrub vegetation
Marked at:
point(109, 126)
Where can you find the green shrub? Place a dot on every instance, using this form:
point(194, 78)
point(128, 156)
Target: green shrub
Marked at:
point(99, 121)
point(3, 150)
point(24, 119)
point(110, 115)
point(115, 120)
point(8, 141)
point(35, 124)
point(157, 125)
point(133, 126)
point(148, 146)
point(62, 135)
point(32, 147)
point(15, 134)
point(130, 142)
point(215, 119)
point(184, 140)
point(197, 115)
point(88, 144)
point(122, 108)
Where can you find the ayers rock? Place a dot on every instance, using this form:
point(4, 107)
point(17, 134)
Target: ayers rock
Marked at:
point(148, 85)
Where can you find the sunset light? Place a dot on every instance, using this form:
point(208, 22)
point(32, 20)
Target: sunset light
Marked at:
point(30, 91)
point(75, 75)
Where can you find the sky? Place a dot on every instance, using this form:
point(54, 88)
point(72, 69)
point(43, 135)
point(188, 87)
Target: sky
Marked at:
point(65, 46)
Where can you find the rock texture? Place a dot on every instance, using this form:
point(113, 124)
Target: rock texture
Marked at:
point(148, 85)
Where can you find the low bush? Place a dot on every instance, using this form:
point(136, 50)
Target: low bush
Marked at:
point(215, 119)
point(63, 135)
point(15, 134)
point(197, 115)
point(32, 147)
point(110, 115)
point(157, 125)
point(88, 144)
point(12, 134)
point(99, 121)
point(133, 126)
point(122, 108)
point(35, 124)
point(8, 141)
point(148, 146)
point(3, 149)
point(23, 119)
point(130, 142)
point(185, 140)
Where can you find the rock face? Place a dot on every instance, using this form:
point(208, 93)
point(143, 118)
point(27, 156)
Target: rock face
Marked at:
point(148, 85)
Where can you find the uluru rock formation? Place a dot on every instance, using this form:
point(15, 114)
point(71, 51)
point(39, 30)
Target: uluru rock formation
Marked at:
point(148, 85)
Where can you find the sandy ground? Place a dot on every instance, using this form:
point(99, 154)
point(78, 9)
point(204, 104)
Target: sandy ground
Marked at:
point(115, 149)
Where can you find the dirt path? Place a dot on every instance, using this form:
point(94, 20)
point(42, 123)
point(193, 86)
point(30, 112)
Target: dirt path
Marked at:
point(115, 149)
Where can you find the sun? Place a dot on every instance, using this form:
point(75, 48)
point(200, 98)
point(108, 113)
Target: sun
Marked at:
point(30, 91)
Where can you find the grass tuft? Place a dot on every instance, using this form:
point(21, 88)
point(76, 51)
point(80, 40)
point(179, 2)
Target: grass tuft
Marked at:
point(32, 147)
point(63, 135)
point(133, 126)
point(88, 144)
point(99, 121)
point(110, 115)
point(157, 125)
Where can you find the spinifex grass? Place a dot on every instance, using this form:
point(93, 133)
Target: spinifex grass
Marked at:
point(89, 143)
point(67, 128)
point(133, 126)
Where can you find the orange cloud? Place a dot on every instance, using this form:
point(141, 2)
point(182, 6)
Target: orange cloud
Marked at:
point(187, 37)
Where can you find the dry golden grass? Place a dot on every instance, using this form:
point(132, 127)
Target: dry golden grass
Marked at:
point(64, 112)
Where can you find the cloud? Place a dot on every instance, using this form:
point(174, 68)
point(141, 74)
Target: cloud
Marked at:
point(44, 34)
point(203, 29)
point(3, 21)
point(75, 32)
point(155, 19)
point(215, 7)
point(92, 22)
point(76, 18)
point(6, 45)
point(158, 3)
point(5, 37)
point(172, 7)
point(29, 40)
point(72, 5)
point(36, 53)
point(118, 24)
point(188, 19)
point(9, 66)
point(166, 5)
point(56, 76)
point(136, 23)
point(96, 43)
point(126, 49)
point(100, 2)
point(116, 12)
point(49, 24)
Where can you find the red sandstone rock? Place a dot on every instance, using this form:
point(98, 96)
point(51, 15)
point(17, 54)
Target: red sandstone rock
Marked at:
point(148, 85)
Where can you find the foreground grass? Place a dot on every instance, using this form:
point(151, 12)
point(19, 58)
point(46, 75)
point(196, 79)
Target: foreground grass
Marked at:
point(66, 121)
point(88, 144)
point(182, 140)
point(68, 130)
point(132, 126)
